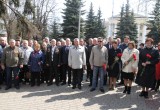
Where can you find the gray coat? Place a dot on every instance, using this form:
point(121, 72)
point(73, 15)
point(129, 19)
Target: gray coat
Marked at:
point(99, 56)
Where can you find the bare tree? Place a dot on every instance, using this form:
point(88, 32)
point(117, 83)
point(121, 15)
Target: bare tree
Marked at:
point(26, 18)
point(44, 10)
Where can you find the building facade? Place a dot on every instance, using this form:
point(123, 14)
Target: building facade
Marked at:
point(140, 20)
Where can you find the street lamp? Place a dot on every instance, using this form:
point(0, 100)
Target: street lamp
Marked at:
point(79, 22)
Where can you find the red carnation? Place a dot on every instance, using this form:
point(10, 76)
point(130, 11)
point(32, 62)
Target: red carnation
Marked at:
point(104, 66)
point(17, 77)
point(148, 56)
point(119, 55)
point(134, 57)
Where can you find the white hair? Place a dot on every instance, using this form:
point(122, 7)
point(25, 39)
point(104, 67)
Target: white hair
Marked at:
point(12, 40)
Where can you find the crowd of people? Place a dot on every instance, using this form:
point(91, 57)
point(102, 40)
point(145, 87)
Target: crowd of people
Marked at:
point(34, 63)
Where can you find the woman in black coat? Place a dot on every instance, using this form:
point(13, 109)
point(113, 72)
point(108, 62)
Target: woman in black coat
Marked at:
point(148, 59)
point(114, 61)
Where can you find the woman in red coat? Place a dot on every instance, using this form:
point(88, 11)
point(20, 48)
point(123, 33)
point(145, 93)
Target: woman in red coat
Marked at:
point(158, 70)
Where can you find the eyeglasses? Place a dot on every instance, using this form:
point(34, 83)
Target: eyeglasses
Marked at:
point(99, 41)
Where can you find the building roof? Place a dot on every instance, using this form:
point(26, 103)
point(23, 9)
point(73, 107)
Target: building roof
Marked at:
point(135, 15)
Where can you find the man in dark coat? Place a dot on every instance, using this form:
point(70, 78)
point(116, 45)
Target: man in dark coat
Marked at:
point(89, 70)
point(53, 61)
point(64, 62)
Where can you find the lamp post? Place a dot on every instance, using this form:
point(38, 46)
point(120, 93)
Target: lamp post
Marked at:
point(79, 22)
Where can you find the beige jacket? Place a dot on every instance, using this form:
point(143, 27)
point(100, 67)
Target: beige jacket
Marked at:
point(133, 64)
point(99, 56)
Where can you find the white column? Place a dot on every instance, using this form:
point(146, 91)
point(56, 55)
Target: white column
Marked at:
point(144, 33)
point(138, 35)
point(115, 30)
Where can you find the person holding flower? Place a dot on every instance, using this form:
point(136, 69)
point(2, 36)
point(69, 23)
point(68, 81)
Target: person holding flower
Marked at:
point(130, 59)
point(147, 67)
point(114, 60)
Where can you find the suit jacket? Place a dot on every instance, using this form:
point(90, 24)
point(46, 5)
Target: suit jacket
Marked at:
point(56, 56)
point(123, 46)
point(107, 46)
point(64, 54)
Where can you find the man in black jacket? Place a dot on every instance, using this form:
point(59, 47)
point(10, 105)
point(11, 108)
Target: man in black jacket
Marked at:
point(64, 62)
point(53, 61)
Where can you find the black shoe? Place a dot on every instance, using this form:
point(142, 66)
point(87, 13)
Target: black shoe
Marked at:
point(79, 87)
point(73, 87)
point(146, 95)
point(63, 83)
point(8, 87)
point(49, 84)
point(102, 90)
point(129, 90)
point(32, 85)
point(57, 84)
point(17, 87)
point(90, 85)
point(69, 84)
point(142, 94)
point(125, 90)
point(92, 89)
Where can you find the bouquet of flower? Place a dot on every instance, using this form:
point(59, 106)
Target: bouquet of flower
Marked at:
point(132, 58)
point(116, 59)
point(148, 56)
point(17, 76)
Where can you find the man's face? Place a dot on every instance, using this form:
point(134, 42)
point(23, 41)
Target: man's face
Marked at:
point(76, 42)
point(126, 40)
point(68, 42)
point(12, 43)
point(58, 43)
point(25, 44)
point(100, 42)
point(90, 41)
point(17, 43)
point(53, 42)
point(3, 42)
point(47, 40)
point(63, 43)
point(30, 43)
point(95, 42)
point(81, 42)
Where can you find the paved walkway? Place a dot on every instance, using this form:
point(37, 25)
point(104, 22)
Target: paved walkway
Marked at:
point(64, 98)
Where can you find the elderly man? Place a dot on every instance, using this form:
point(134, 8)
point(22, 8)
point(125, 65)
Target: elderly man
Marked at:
point(64, 62)
point(13, 59)
point(89, 70)
point(26, 52)
point(46, 39)
point(77, 60)
point(53, 62)
point(98, 61)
